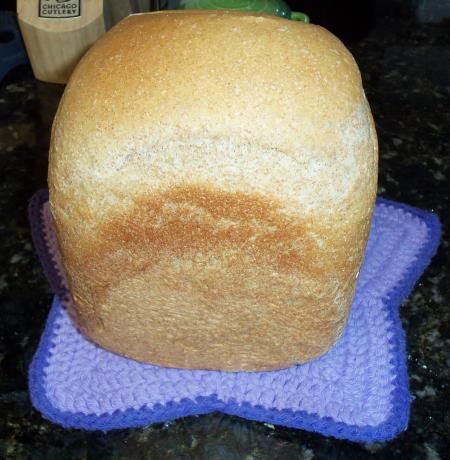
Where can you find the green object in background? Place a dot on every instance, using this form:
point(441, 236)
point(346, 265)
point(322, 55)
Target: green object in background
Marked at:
point(273, 7)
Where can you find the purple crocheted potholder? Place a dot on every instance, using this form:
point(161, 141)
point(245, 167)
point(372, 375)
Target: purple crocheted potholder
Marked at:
point(357, 391)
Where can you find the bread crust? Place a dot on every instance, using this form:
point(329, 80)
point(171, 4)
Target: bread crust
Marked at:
point(212, 179)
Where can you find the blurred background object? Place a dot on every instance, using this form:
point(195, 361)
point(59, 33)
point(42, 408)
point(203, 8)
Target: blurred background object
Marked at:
point(58, 32)
point(273, 7)
point(432, 10)
point(115, 10)
point(12, 49)
point(351, 20)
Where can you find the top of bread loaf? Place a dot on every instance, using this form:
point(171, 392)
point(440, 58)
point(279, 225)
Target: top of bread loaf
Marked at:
point(178, 79)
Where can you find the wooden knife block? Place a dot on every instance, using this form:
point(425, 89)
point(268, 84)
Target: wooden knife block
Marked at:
point(58, 32)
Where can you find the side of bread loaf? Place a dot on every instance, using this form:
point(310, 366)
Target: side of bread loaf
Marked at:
point(212, 178)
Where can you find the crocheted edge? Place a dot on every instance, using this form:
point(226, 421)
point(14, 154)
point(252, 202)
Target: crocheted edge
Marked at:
point(396, 423)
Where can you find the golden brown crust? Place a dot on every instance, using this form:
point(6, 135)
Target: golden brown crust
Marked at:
point(212, 178)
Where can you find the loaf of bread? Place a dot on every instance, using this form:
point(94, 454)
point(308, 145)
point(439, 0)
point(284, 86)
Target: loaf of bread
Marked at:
point(212, 179)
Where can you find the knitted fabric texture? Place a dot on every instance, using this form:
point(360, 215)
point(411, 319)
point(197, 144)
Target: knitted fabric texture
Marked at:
point(357, 391)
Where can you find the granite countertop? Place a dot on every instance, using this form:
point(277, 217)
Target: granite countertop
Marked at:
point(407, 79)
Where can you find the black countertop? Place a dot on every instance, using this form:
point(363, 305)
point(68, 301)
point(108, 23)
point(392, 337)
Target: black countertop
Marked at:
point(406, 73)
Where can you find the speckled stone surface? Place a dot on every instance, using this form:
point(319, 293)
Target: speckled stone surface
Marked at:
point(407, 79)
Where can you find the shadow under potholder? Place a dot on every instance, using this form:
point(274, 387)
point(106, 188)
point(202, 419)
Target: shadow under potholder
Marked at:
point(357, 391)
